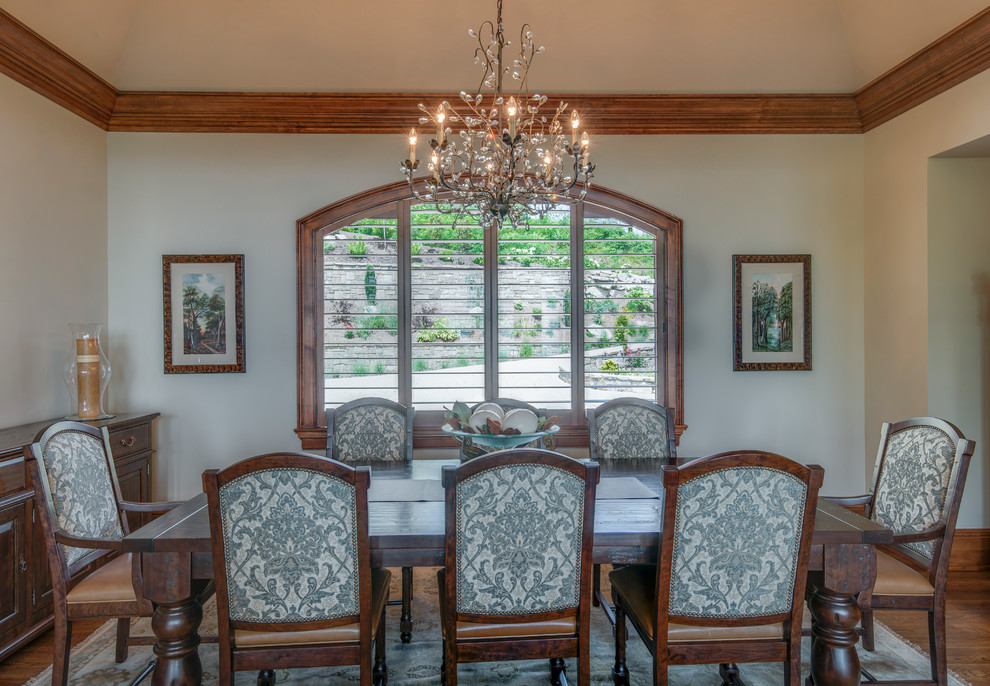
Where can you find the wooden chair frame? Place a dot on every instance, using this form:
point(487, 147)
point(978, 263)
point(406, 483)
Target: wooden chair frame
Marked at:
point(553, 647)
point(263, 659)
point(65, 576)
point(785, 649)
point(942, 533)
point(598, 597)
point(405, 619)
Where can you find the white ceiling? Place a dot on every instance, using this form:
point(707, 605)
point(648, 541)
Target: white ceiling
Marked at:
point(621, 46)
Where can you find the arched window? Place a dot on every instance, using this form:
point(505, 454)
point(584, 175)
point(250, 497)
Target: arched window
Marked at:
point(399, 301)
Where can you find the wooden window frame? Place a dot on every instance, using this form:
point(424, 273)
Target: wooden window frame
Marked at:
point(310, 411)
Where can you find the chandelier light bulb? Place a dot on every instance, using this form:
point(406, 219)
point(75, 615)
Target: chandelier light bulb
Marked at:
point(412, 146)
point(575, 123)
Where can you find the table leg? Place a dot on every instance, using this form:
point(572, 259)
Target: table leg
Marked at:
point(175, 625)
point(834, 660)
point(405, 620)
point(178, 613)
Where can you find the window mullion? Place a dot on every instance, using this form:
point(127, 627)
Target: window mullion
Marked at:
point(491, 313)
point(577, 312)
point(404, 279)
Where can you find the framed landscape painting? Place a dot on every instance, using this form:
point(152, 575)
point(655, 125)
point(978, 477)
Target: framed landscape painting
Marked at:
point(772, 312)
point(204, 313)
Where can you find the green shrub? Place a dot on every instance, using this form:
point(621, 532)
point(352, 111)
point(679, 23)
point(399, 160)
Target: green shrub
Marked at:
point(381, 321)
point(526, 350)
point(518, 306)
point(415, 249)
point(379, 368)
point(359, 369)
point(357, 247)
point(638, 306)
point(437, 332)
point(370, 283)
point(420, 366)
point(621, 333)
point(609, 366)
point(480, 259)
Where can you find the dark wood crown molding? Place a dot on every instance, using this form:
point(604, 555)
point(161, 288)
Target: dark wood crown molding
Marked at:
point(960, 54)
point(29, 59)
point(397, 112)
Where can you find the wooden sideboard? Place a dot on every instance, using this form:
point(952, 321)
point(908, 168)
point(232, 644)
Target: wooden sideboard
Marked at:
point(25, 585)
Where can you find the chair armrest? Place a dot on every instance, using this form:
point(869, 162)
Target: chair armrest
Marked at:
point(95, 543)
point(153, 508)
point(846, 501)
point(926, 535)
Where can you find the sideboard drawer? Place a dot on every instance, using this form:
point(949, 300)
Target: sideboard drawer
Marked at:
point(130, 440)
point(12, 477)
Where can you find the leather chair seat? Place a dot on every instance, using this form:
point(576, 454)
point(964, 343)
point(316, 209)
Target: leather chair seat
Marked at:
point(566, 626)
point(637, 583)
point(111, 583)
point(896, 578)
point(347, 633)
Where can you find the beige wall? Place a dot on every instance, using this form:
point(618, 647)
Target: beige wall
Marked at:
point(53, 252)
point(959, 311)
point(896, 239)
point(204, 193)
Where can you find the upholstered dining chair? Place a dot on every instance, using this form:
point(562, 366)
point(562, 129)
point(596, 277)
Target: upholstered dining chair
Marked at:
point(729, 583)
point(376, 430)
point(292, 564)
point(625, 428)
point(918, 484)
point(83, 520)
point(517, 560)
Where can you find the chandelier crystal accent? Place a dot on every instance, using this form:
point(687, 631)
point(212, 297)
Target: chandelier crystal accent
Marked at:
point(497, 159)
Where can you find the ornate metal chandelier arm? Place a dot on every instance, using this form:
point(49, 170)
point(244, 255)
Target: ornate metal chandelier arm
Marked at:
point(524, 61)
point(483, 54)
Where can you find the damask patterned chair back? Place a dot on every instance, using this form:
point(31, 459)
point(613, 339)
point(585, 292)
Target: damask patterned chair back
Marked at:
point(370, 429)
point(76, 475)
point(737, 530)
point(920, 463)
point(291, 554)
point(520, 529)
point(518, 550)
point(288, 534)
point(631, 428)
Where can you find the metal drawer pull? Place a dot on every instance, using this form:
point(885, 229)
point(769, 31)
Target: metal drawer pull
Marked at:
point(128, 442)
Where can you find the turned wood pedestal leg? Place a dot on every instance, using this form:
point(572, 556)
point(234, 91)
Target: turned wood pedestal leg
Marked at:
point(177, 648)
point(168, 583)
point(834, 660)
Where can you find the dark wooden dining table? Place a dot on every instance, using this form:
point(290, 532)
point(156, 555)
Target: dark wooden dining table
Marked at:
point(406, 525)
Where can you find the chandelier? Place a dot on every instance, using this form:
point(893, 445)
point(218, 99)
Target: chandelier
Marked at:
point(501, 161)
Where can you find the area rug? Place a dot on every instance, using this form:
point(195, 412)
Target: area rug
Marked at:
point(417, 663)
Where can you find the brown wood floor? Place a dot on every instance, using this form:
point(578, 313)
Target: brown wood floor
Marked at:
point(968, 619)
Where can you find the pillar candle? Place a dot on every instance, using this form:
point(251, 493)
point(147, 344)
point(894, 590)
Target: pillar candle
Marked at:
point(88, 377)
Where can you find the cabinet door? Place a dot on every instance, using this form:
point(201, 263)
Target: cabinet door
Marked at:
point(135, 486)
point(13, 565)
point(40, 588)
